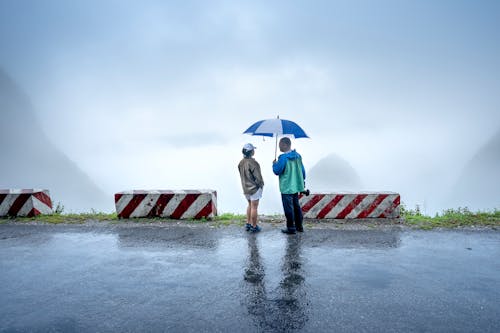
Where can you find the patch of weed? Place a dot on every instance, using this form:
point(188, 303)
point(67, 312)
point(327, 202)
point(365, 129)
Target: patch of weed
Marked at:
point(450, 218)
point(230, 217)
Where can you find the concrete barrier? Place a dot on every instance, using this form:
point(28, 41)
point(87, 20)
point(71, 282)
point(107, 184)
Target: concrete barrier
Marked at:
point(183, 204)
point(25, 202)
point(350, 205)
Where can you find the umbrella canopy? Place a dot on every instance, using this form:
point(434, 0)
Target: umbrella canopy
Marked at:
point(276, 127)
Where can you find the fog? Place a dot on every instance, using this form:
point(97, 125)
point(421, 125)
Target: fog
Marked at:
point(156, 95)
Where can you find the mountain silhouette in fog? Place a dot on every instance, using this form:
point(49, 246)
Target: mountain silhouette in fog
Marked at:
point(479, 184)
point(29, 160)
point(332, 173)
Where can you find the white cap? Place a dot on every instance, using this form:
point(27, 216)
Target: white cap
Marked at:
point(249, 147)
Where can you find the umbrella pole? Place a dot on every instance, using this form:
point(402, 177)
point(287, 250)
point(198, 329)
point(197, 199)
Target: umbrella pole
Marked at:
point(276, 148)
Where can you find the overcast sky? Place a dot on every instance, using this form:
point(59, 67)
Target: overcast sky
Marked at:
point(156, 94)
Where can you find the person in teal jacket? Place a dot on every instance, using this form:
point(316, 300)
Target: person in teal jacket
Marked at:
point(291, 174)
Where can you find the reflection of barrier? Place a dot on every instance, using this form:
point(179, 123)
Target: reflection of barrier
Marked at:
point(350, 205)
point(26, 202)
point(172, 204)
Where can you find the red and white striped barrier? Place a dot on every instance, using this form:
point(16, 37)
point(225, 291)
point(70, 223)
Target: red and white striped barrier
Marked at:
point(350, 205)
point(26, 202)
point(172, 204)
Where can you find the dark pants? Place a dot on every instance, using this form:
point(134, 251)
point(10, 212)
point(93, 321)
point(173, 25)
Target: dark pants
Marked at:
point(293, 212)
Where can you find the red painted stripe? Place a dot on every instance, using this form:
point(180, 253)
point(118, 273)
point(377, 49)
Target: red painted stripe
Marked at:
point(2, 197)
point(378, 200)
point(132, 205)
point(18, 204)
point(33, 212)
point(205, 211)
point(310, 204)
point(44, 198)
point(330, 206)
point(390, 209)
point(162, 202)
point(353, 204)
point(396, 204)
point(117, 197)
point(184, 205)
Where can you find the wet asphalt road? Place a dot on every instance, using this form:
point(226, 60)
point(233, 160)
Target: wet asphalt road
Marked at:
point(194, 278)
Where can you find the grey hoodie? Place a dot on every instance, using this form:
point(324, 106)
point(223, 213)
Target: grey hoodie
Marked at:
point(251, 177)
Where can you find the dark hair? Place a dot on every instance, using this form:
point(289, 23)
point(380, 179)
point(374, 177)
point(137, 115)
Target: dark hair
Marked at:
point(286, 141)
point(247, 153)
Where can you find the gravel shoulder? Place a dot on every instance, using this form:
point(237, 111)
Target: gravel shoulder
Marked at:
point(269, 222)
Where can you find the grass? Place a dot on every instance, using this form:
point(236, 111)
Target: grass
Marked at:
point(230, 217)
point(69, 218)
point(226, 219)
point(60, 217)
point(450, 218)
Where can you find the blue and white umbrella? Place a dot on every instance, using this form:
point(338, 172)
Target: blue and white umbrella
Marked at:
point(276, 127)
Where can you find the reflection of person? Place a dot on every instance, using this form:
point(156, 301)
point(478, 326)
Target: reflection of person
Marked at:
point(291, 174)
point(293, 299)
point(254, 276)
point(283, 309)
point(252, 184)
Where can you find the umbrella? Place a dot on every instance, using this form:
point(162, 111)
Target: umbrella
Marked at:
point(276, 127)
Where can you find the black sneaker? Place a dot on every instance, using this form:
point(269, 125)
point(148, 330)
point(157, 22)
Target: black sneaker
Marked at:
point(300, 230)
point(255, 229)
point(288, 231)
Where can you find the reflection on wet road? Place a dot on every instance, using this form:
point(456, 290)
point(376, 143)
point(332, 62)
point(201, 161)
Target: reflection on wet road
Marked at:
point(196, 278)
point(284, 308)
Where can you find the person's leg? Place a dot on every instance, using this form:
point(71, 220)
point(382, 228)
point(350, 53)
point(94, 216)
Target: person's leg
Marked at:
point(287, 200)
point(249, 216)
point(249, 212)
point(253, 212)
point(297, 213)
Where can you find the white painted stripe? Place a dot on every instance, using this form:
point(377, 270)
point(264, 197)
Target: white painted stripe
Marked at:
point(386, 203)
point(343, 203)
point(365, 203)
point(198, 204)
point(146, 205)
point(314, 211)
point(41, 207)
point(173, 204)
point(26, 208)
point(123, 202)
point(303, 200)
point(7, 203)
point(395, 212)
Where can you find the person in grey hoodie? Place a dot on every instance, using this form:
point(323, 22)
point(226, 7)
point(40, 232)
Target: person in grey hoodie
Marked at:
point(252, 184)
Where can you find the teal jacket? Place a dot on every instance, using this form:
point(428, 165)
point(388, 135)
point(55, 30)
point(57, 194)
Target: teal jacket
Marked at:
point(291, 171)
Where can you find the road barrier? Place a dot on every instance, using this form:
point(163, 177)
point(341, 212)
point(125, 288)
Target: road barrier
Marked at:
point(185, 204)
point(25, 202)
point(350, 205)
